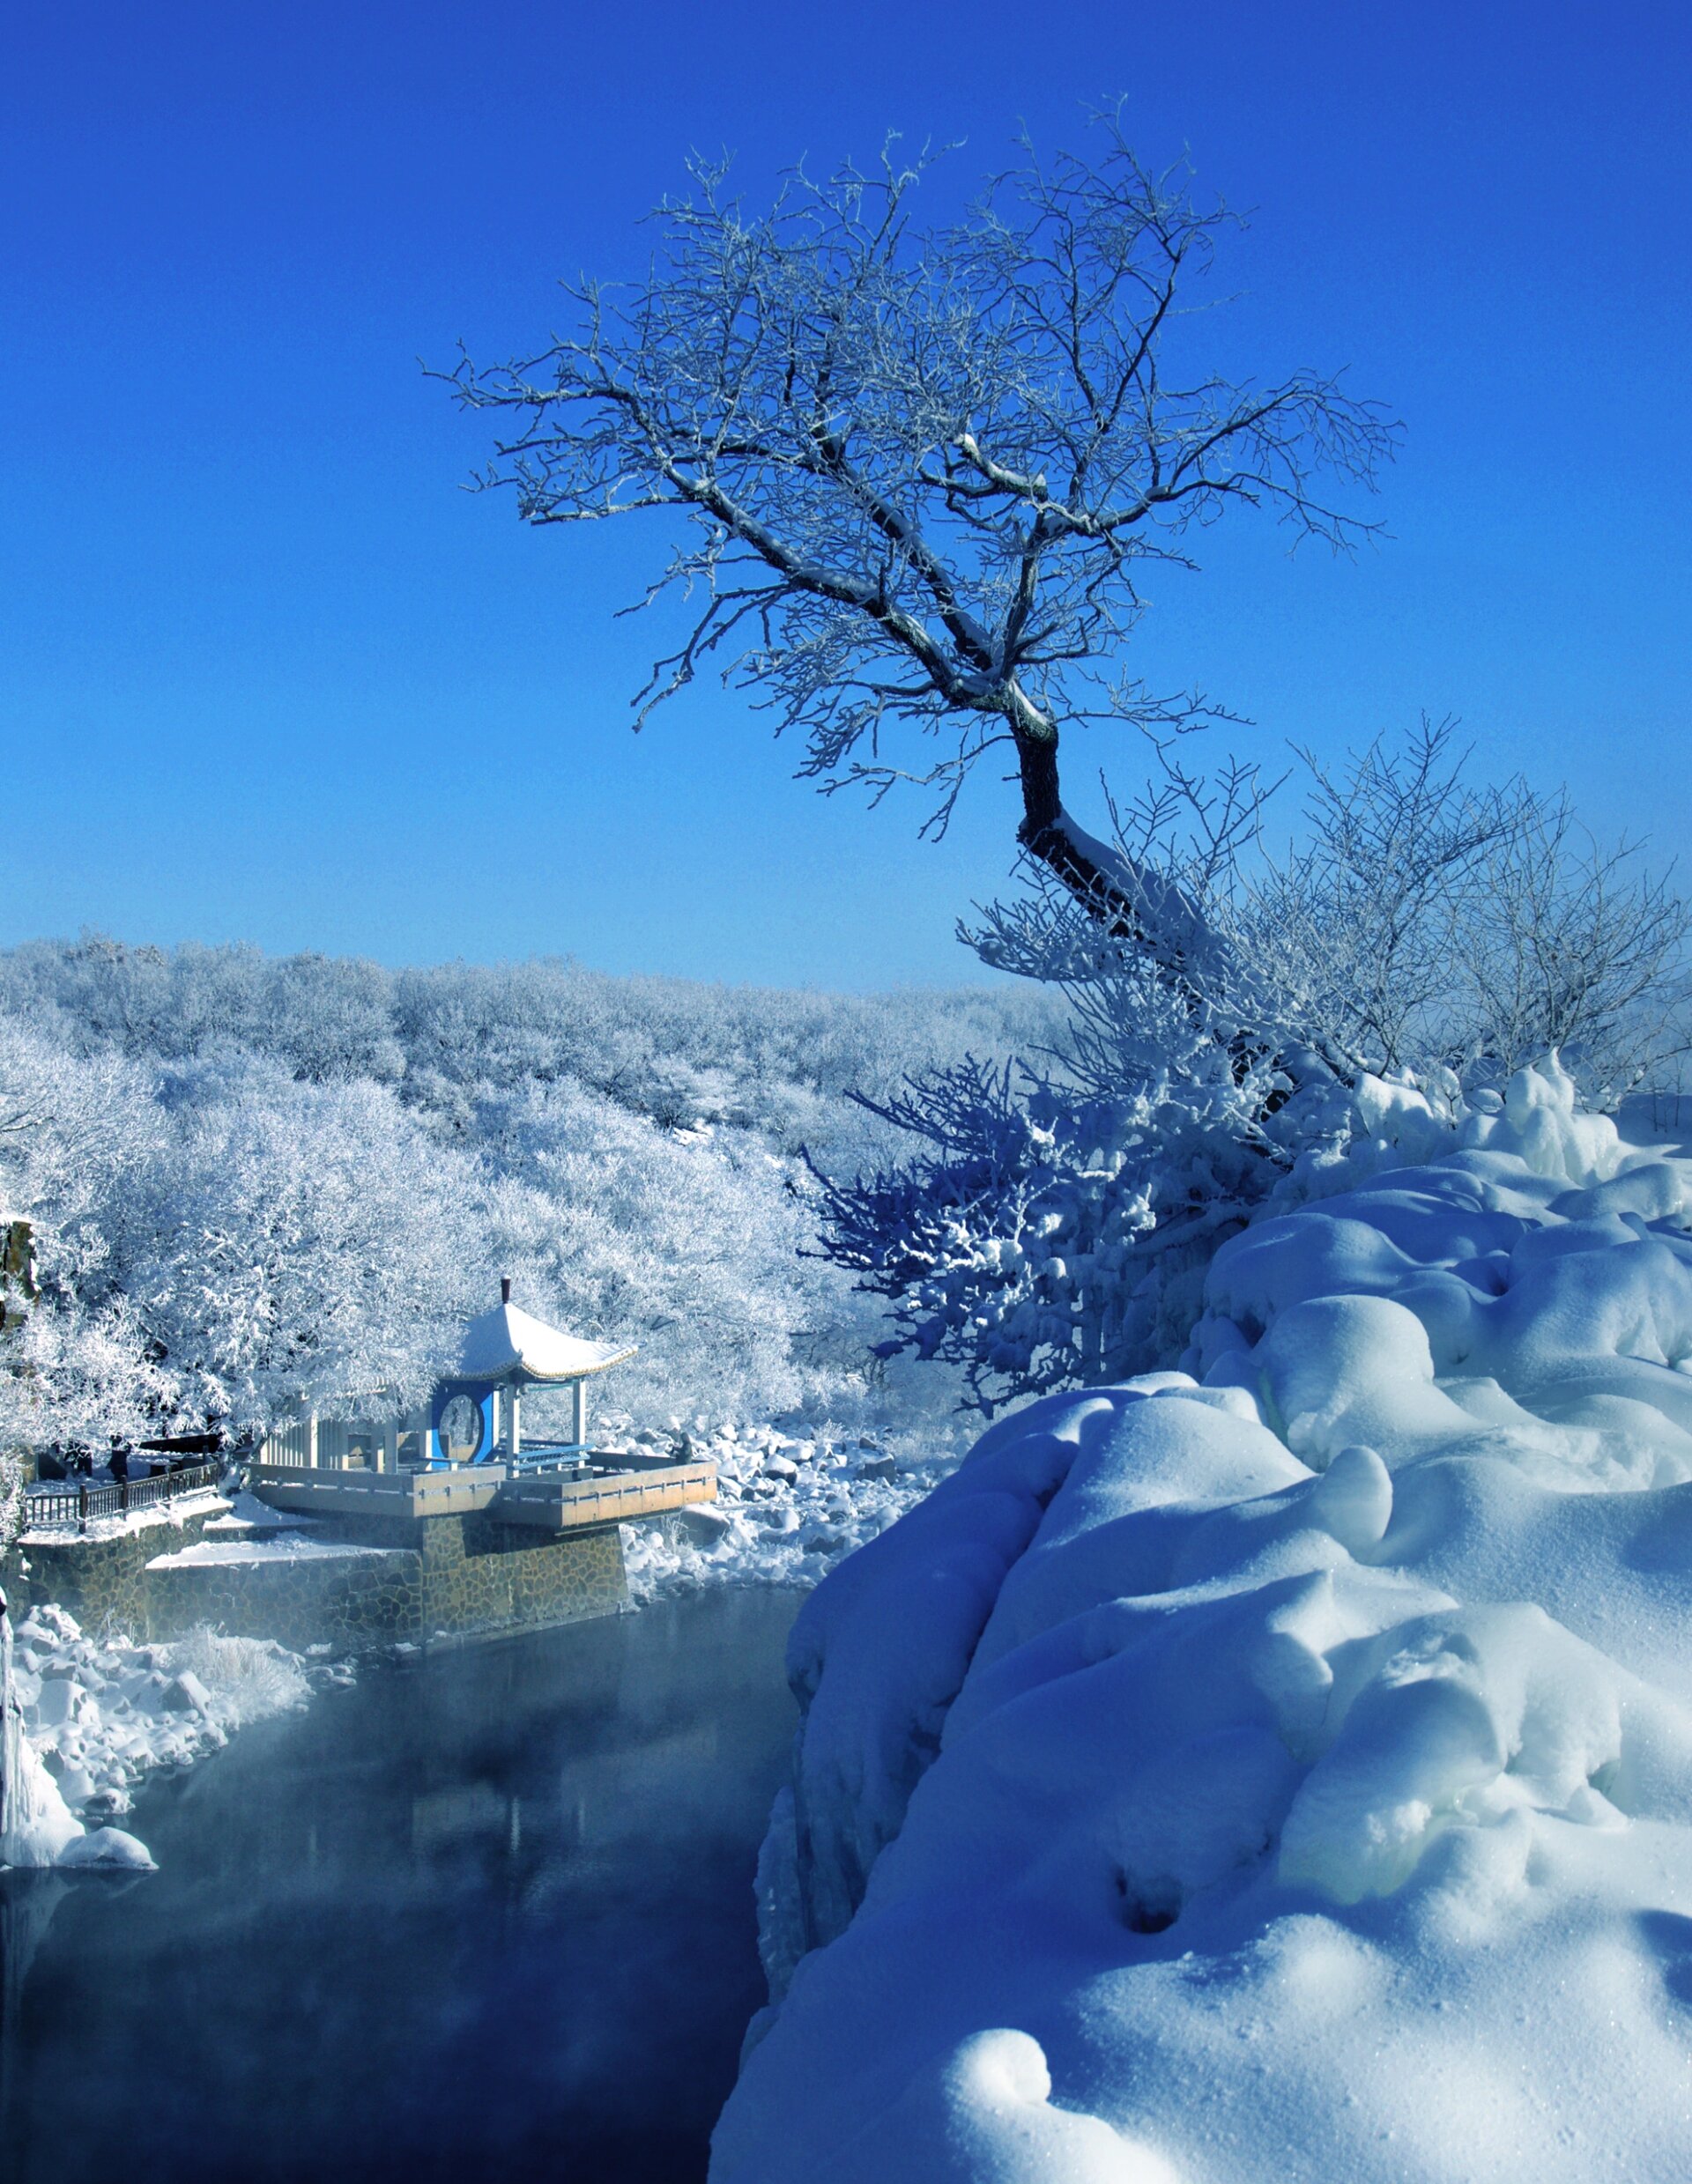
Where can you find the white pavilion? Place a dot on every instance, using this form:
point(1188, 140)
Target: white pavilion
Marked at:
point(473, 1417)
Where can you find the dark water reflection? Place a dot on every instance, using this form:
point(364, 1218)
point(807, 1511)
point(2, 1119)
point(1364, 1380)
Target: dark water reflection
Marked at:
point(488, 1916)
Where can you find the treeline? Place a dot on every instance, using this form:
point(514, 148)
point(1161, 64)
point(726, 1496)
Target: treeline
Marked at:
point(256, 1180)
point(448, 1036)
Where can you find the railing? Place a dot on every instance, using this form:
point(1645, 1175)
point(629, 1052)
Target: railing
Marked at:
point(609, 1498)
point(616, 1461)
point(307, 1487)
point(615, 1489)
point(53, 1507)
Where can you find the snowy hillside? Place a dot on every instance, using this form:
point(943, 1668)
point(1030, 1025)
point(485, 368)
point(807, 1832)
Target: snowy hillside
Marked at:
point(1282, 1767)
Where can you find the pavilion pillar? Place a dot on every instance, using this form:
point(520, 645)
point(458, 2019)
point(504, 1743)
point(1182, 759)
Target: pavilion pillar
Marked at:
point(579, 1412)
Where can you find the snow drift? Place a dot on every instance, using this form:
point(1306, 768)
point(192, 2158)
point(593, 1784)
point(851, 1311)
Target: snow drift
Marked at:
point(1282, 1767)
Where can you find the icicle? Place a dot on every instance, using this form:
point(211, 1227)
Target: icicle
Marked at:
point(36, 1824)
point(12, 1743)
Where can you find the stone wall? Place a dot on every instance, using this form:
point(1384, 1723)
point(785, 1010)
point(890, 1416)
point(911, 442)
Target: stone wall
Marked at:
point(103, 1581)
point(353, 1604)
point(480, 1575)
point(439, 1579)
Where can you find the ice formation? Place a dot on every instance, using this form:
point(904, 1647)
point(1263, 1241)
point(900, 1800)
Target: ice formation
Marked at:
point(1281, 1766)
point(36, 1826)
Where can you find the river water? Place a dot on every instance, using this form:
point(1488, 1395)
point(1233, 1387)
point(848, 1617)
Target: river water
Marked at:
point(488, 1915)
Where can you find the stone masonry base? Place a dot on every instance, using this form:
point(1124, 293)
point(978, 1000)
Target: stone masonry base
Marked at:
point(436, 1579)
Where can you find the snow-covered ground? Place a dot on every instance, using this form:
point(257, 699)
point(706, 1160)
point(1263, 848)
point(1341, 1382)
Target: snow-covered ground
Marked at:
point(96, 1717)
point(254, 1534)
point(1282, 1767)
point(789, 1507)
point(161, 1517)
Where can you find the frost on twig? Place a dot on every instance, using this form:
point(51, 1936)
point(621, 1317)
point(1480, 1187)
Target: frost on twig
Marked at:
point(923, 469)
point(1046, 1228)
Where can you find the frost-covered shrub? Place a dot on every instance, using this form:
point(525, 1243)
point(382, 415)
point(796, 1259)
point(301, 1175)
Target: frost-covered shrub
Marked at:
point(1041, 1239)
point(1423, 922)
point(1403, 961)
point(246, 1679)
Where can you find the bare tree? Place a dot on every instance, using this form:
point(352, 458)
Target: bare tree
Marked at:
point(1577, 946)
point(1418, 921)
point(924, 467)
point(1366, 923)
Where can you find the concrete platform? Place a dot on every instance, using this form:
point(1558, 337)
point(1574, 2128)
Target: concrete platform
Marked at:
point(618, 1489)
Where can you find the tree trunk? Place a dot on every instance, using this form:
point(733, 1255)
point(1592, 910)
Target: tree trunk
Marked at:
point(1137, 904)
point(1115, 899)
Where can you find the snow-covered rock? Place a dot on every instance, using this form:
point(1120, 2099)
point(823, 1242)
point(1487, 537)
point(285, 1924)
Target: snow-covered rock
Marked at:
point(186, 1694)
point(58, 1700)
point(108, 1849)
point(786, 1510)
point(88, 1722)
point(1281, 1766)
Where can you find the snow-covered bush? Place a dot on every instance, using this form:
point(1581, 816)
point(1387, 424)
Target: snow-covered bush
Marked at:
point(1038, 1240)
point(1420, 945)
point(245, 1679)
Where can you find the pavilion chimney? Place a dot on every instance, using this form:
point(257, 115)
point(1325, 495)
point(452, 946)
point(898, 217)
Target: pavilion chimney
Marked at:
point(505, 1289)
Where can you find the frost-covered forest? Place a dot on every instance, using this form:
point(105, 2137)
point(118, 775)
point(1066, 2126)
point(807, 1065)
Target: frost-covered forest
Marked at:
point(254, 1180)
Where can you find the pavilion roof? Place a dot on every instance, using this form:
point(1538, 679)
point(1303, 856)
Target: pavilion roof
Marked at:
point(508, 1344)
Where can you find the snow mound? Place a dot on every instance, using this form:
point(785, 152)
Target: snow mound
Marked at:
point(1295, 1751)
point(88, 1720)
point(108, 1850)
point(983, 2114)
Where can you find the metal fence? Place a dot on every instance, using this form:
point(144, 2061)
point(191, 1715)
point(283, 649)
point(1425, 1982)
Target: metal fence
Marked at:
point(56, 1508)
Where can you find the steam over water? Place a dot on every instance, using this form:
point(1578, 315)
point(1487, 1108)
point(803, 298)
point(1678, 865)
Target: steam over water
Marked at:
point(492, 1911)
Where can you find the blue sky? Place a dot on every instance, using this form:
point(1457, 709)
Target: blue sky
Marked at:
point(270, 674)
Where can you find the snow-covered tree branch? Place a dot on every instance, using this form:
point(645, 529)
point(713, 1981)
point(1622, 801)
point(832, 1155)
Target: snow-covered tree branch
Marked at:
point(1361, 989)
point(925, 469)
